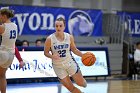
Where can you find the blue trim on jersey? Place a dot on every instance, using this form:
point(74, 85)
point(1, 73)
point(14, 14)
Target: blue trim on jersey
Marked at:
point(78, 68)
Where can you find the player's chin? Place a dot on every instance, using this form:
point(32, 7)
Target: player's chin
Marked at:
point(59, 31)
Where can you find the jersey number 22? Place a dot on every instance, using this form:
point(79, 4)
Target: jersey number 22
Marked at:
point(62, 53)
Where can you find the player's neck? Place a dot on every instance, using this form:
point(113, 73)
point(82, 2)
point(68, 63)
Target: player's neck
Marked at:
point(60, 36)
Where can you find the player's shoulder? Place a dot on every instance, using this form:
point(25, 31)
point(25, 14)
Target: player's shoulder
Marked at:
point(11, 23)
point(67, 34)
point(70, 36)
point(50, 36)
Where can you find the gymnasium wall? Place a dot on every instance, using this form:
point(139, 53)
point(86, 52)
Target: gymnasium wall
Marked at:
point(106, 5)
point(109, 8)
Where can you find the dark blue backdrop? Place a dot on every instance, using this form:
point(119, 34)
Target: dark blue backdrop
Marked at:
point(132, 22)
point(35, 20)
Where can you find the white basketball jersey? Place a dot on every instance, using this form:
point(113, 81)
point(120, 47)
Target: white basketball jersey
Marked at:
point(61, 47)
point(9, 37)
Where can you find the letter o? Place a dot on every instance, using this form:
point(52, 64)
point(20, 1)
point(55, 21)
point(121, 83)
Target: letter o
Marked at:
point(31, 21)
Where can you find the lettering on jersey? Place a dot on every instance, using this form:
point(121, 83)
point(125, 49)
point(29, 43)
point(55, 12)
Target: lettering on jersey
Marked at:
point(61, 49)
point(62, 53)
point(57, 47)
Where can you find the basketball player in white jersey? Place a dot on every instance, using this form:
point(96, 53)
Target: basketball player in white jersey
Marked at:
point(60, 44)
point(8, 30)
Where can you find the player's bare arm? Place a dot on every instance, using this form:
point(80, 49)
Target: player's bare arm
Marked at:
point(2, 29)
point(47, 48)
point(74, 48)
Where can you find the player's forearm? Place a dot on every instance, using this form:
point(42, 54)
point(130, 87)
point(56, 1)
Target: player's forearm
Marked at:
point(48, 55)
point(77, 52)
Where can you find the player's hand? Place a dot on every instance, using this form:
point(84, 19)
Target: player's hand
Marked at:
point(55, 56)
point(21, 64)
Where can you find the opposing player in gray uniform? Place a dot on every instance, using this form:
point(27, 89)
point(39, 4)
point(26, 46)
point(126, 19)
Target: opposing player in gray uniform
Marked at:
point(8, 31)
point(61, 44)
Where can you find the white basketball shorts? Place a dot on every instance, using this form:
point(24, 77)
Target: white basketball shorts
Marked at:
point(6, 58)
point(66, 69)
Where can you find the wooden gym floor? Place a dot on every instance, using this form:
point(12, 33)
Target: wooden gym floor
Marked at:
point(100, 86)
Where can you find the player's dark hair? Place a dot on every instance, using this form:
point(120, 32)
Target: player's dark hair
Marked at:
point(9, 13)
point(61, 19)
